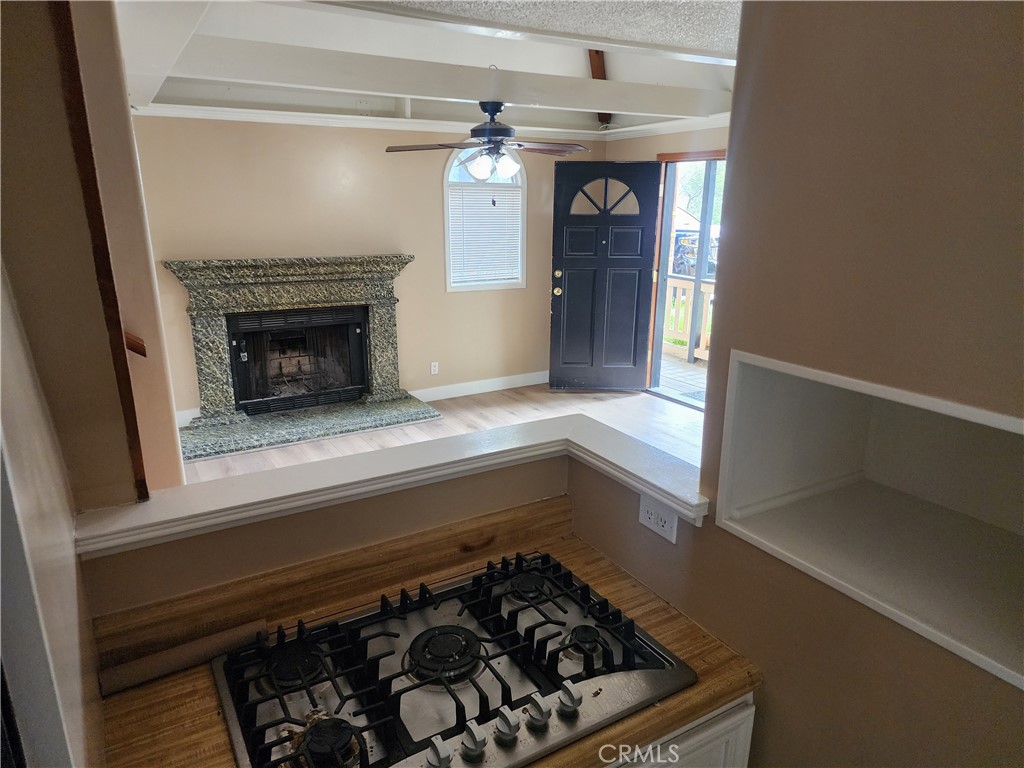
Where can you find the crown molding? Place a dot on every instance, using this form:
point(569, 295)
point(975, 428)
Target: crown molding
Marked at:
point(283, 117)
point(685, 125)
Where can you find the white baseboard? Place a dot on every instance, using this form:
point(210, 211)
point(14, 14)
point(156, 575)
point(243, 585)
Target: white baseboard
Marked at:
point(480, 386)
point(184, 417)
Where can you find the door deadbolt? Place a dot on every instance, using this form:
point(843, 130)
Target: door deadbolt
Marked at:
point(557, 291)
point(558, 273)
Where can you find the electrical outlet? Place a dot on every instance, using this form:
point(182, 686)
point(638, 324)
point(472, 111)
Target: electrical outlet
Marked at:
point(658, 517)
point(433, 369)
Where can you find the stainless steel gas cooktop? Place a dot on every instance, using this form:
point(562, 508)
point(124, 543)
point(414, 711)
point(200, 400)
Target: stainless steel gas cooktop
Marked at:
point(517, 661)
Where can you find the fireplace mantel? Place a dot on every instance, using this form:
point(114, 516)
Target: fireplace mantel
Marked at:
point(220, 287)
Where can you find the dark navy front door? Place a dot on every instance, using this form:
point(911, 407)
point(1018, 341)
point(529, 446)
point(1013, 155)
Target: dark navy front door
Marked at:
point(602, 267)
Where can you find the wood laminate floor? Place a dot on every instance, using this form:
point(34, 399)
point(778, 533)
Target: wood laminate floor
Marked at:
point(672, 427)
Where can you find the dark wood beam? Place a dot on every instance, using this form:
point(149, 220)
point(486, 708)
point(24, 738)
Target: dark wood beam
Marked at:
point(81, 141)
point(597, 73)
point(134, 343)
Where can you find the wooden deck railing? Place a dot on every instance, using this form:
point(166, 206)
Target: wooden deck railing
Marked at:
point(679, 313)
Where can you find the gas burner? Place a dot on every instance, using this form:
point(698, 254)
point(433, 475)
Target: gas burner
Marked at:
point(449, 652)
point(330, 743)
point(583, 640)
point(528, 586)
point(291, 664)
point(587, 636)
point(373, 690)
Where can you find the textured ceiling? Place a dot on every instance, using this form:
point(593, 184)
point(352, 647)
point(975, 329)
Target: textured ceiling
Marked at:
point(670, 24)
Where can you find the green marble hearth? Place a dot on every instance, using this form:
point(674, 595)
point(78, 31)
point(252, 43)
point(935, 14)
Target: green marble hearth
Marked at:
point(205, 438)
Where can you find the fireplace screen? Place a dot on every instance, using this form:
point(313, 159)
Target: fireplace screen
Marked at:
point(297, 358)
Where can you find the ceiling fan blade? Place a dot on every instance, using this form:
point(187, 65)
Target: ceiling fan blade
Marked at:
point(418, 147)
point(546, 147)
point(470, 158)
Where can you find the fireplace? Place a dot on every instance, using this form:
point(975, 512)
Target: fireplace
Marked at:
point(279, 334)
point(297, 358)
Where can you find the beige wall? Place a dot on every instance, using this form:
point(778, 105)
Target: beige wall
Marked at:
point(872, 216)
point(117, 169)
point(844, 685)
point(47, 644)
point(649, 147)
point(235, 553)
point(47, 253)
point(217, 189)
point(871, 227)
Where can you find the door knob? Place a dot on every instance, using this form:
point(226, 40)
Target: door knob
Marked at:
point(557, 291)
point(558, 273)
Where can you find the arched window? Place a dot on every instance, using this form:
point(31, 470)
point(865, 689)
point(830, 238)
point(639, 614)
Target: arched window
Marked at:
point(485, 227)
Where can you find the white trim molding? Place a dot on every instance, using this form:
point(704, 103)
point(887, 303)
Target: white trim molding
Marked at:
point(666, 127)
point(190, 510)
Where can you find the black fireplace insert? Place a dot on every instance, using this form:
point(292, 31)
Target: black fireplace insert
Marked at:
point(298, 358)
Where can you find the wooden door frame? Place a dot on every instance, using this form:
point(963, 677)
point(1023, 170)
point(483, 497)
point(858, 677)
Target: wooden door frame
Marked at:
point(663, 234)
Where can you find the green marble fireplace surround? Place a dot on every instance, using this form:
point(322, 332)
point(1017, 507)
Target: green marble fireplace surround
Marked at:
point(220, 287)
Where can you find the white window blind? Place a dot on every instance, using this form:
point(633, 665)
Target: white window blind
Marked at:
point(485, 230)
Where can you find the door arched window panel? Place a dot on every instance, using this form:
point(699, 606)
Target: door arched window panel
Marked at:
point(485, 227)
point(605, 195)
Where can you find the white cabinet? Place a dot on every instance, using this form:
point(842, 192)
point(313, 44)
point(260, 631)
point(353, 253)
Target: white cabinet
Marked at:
point(908, 504)
point(719, 741)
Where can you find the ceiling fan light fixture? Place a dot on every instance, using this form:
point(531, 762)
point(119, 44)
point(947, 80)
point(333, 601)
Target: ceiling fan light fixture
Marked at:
point(506, 167)
point(481, 167)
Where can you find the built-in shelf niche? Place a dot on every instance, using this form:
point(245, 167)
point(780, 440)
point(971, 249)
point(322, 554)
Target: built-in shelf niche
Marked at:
point(911, 505)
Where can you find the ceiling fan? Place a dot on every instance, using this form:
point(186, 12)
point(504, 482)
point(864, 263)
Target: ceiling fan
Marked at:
point(492, 138)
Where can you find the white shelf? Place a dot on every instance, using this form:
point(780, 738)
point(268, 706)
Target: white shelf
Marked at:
point(910, 505)
point(947, 576)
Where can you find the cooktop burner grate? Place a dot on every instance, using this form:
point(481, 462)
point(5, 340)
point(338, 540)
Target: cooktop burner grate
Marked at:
point(412, 677)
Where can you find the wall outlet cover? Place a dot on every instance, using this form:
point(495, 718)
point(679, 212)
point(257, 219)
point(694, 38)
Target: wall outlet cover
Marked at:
point(658, 517)
point(433, 368)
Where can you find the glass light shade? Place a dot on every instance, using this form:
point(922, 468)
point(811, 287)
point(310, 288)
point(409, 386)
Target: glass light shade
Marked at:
point(506, 167)
point(482, 167)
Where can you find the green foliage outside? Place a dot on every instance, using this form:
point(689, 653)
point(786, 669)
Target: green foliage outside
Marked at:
point(690, 188)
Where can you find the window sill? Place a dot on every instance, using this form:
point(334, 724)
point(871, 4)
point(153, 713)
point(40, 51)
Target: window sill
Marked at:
point(178, 513)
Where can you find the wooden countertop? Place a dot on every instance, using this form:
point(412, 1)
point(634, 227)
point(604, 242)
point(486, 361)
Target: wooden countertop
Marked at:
point(177, 720)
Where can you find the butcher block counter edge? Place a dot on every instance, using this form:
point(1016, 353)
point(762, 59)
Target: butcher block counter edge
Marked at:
point(184, 707)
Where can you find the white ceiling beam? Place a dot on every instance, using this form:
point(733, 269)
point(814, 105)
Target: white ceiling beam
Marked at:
point(208, 58)
point(278, 117)
point(153, 35)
